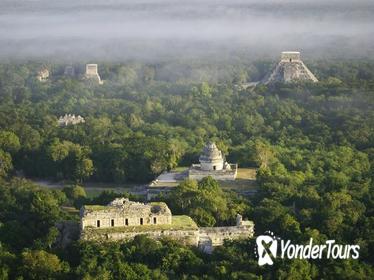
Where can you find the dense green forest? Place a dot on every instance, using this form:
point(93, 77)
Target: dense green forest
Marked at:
point(313, 145)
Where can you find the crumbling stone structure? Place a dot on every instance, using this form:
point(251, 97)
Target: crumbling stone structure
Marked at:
point(210, 237)
point(69, 71)
point(290, 69)
point(122, 212)
point(43, 75)
point(212, 163)
point(70, 119)
point(92, 73)
point(123, 219)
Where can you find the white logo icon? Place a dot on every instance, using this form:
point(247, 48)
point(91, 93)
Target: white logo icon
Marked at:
point(266, 245)
point(267, 249)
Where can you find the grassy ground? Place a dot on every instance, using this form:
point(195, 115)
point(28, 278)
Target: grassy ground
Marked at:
point(180, 169)
point(246, 174)
point(94, 192)
point(92, 189)
point(245, 180)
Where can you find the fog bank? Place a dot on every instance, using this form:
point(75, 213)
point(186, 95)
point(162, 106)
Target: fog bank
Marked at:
point(160, 29)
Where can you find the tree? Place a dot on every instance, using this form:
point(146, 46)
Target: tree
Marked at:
point(264, 153)
point(7, 260)
point(205, 89)
point(71, 160)
point(76, 194)
point(206, 202)
point(9, 142)
point(39, 264)
point(5, 163)
point(297, 270)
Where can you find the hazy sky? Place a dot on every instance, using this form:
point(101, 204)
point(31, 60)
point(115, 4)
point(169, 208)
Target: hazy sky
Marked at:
point(158, 29)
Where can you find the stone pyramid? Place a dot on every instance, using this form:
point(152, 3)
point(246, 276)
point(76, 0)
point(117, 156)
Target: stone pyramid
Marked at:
point(290, 69)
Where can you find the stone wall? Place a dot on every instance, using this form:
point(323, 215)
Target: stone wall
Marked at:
point(91, 69)
point(290, 56)
point(196, 173)
point(210, 237)
point(123, 220)
point(186, 237)
point(114, 219)
point(206, 238)
point(127, 214)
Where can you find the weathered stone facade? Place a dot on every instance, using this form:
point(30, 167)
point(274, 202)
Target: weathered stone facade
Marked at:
point(122, 212)
point(70, 119)
point(212, 163)
point(210, 237)
point(43, 75)
point(290, 69)
point(123, 220)
point(69, 71)
point(184, 236)
point(290, 56)
point(92, 73)
point(211, 158)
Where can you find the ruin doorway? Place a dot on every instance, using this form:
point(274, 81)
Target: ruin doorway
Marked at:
point(141, 221)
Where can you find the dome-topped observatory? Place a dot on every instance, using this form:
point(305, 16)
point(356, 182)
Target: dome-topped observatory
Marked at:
point(212, 163)
point(211, 158)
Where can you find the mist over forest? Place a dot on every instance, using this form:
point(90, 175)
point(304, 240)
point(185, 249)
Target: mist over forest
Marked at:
point(157, 30)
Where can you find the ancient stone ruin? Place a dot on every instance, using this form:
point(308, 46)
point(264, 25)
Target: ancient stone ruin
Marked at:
point(290, 69)
point(43, 75)
point(70, 119)
point(69, 71)
point(92, 73)
point(212, 163)
point(123, 219)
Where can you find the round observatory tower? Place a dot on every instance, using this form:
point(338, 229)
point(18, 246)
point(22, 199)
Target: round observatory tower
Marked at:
point(211, 158)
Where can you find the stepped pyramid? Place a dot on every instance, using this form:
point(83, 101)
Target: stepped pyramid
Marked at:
point(290, 69)
point(92, 74)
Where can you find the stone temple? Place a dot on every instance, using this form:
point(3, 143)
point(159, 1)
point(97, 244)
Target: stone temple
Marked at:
point(43, 75)
point(70, 119)
point(92, 73)
point(123, 219)
point(290, 69)
point(69, 71)
point(212, 163)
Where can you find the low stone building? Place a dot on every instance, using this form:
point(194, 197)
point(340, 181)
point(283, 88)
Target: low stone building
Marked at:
point(213, 163)
point(123, 219)
point(122, 212)
point(70, 119)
